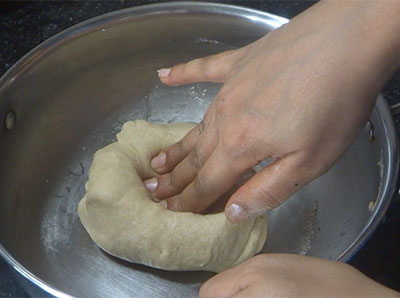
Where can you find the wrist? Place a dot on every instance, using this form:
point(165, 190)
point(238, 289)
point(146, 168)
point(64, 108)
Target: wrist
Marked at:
point(379, 27)
point(360, 38)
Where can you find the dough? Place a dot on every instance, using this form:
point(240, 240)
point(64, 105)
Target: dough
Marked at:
point(121, 218)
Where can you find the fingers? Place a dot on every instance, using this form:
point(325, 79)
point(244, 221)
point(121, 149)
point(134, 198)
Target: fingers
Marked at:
point(267, 189)
point(207, 69)
point(224, 284)
point(215, 178)
point(227, 283)
point(169, 157)
point(184, 173)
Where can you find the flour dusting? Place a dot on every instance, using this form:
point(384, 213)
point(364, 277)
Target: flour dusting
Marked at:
point(309, 228)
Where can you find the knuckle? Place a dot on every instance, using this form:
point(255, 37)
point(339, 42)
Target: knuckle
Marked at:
point(207, 66)
point(176, 203)
point(183, 146)
point(180, 147)
point(266, 199)
point(180, 69)
point(200, 186)
point(196, 158)
point(171, 153)
point(180, 204)
point(175, 152)
point(171, 180)
point(176, 180)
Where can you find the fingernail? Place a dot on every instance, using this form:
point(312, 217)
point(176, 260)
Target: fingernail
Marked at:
point(164, 204)
point(158, 161)
point(163, 72)
point(235, 213)
point(151, 184)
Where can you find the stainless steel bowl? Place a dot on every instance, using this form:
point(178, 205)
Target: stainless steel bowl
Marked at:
point(69, 97)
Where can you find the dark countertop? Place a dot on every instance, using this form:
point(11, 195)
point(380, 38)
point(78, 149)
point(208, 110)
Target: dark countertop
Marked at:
point(25, 24)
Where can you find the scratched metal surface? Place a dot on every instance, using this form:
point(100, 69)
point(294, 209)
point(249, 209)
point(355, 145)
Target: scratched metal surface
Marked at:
point(71, 96)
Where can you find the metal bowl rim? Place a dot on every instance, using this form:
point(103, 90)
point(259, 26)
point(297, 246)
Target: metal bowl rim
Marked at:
point(82, 28)
point(388, 186)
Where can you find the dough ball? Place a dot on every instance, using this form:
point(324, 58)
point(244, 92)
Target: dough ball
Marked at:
point(121, 218)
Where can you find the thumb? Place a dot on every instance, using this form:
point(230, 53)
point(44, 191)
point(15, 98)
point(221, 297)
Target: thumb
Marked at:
point(266, 190)
point(212, 68)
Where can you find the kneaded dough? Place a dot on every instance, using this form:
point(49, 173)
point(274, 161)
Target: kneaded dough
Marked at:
point(121, 218)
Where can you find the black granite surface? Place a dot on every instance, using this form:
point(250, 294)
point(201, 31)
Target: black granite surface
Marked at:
point(25, 24)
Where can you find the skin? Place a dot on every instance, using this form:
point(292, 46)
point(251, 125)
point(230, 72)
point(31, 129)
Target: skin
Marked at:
point(299, 95)
point(285, 275)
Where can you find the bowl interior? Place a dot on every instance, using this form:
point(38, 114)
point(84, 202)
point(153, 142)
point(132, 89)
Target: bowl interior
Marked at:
point(71, 96)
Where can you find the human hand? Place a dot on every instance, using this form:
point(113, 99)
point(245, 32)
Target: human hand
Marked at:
point(299, 95)
point(285, 275)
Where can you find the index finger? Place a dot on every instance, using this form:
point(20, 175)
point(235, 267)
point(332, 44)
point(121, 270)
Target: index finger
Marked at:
point(166, 160)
